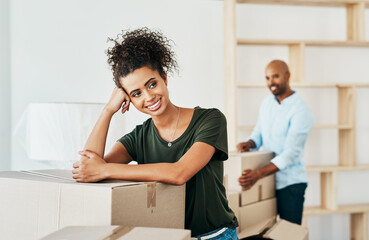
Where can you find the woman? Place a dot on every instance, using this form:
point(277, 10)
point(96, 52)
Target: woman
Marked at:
point(175, 146)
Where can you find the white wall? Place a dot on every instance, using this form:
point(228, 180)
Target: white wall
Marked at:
point(57, 54)
point(4, 86)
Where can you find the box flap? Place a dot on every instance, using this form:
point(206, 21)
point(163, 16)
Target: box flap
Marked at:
point(256, 213)
point(257, 228)
point(67, 176)
point(284, 230)
point(30, 177)
point(88, 233)
point(53, 173)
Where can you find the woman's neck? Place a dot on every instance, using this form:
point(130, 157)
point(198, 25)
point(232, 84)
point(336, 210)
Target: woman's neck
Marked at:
point(168, 118)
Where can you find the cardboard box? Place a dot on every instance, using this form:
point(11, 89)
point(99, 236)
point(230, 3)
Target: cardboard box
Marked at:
point(256, 213)
point(118, 233)
point(237, 162)
point(284, 230)
point(252, 217)
point(258, 228)
point(276, 230)
point(234, 203)
point(260, 217)
point(42, 202)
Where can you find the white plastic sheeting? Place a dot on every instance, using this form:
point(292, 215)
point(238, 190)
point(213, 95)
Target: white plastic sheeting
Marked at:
point(57, 131)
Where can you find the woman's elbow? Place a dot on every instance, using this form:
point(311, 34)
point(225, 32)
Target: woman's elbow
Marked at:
point(175, 180)
point(180, 181)
point(175, 175)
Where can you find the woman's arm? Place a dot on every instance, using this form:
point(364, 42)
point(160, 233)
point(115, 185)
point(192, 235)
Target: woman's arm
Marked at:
point(95, 168)
point(97, 139)
point(118, 154)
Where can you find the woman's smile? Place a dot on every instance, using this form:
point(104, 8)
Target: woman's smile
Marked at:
point(155, 106)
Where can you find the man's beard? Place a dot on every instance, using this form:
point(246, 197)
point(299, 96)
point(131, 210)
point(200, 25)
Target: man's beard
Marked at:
point(280, 90)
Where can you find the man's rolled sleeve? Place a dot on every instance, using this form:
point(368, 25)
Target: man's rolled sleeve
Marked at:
point(301, 125)
point(256, 136)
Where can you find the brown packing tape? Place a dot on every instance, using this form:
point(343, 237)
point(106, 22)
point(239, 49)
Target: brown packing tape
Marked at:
point(118, 232)
point(260, 192)
point(151, 194)
point(239, 200)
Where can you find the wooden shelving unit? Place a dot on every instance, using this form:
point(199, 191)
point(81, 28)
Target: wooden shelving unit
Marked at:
point(346, 98)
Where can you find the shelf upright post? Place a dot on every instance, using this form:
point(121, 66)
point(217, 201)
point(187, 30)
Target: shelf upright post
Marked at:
point(355, 18)
point(328, 190)
point(347, 116)
point(297, 62)
point(230, 87)
point(359, 226)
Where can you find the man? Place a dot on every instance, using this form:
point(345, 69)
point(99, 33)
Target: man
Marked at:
point(283, 125)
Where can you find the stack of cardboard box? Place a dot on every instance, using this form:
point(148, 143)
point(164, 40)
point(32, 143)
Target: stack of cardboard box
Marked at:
point(36, 203)
point(256, 208)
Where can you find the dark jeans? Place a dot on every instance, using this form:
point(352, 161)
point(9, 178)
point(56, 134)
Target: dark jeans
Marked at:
point(290, 202)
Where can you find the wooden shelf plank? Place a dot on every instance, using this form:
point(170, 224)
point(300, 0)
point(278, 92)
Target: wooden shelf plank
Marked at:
point(322, 3)
point(333, 168)
point(338, 126)
point(359, 225)
point(317, 43)
point(347, 115)
point(355, 21)
point(297, 62)
point(328, 190)
point(362, 85)
point(307, 85)
point(327, 126)
point(350, 208)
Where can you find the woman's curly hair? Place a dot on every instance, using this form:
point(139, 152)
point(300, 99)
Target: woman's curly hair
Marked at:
point(139, 48)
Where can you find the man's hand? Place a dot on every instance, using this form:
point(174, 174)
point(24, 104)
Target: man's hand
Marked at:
point(90, 168)
point(249, 178)
point(119, 99)
point(243, 147)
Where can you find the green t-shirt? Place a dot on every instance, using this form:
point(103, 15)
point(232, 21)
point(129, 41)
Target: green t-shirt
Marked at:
point(206, 202)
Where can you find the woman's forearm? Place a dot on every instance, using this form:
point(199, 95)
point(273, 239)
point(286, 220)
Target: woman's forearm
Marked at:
point(97, 139)
point(161, 172)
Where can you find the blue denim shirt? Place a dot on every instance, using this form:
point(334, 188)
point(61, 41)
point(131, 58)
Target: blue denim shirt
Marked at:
point(283, 129)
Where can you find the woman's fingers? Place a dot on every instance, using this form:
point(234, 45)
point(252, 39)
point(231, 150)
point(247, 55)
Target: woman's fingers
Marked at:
point(76, 164)
point(125, 105)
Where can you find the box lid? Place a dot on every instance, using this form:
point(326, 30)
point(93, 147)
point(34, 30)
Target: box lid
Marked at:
point(85, 233)
point(62, 176)
point(284, 230)
point(258, 228)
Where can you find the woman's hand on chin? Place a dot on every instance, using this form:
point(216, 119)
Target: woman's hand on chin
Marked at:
point(90, 168)
point(119, 99)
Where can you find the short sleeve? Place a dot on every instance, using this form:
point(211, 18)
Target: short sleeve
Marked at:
point(129, 142)
point(213, 131)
